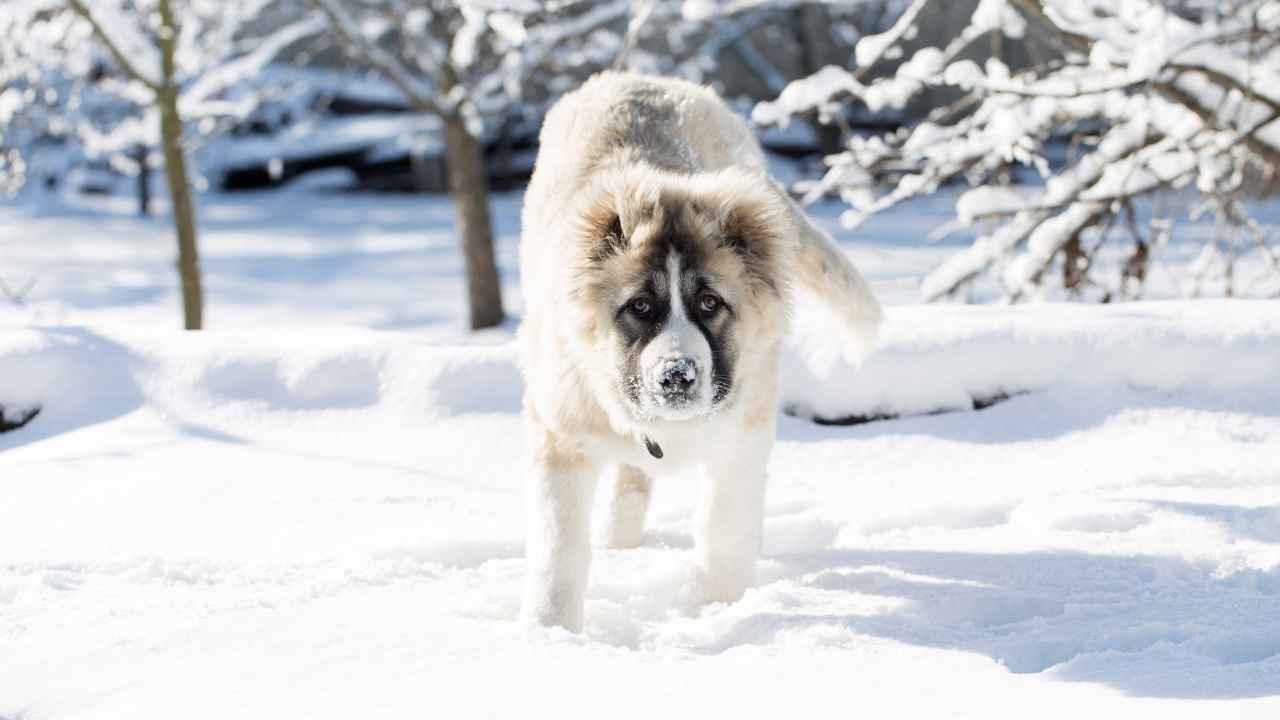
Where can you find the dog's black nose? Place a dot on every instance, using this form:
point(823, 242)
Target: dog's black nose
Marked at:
point(677, 376)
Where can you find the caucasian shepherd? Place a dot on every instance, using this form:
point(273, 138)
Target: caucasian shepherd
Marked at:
point(656, 260)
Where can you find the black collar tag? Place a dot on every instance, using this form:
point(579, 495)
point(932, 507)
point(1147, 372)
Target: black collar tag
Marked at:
point(653, 448)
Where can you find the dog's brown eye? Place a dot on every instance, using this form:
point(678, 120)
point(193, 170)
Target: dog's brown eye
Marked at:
point(709, 303)
point(641, 306)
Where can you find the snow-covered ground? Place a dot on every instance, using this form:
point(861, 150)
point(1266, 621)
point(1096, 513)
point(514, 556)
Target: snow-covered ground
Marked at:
point(313, 509)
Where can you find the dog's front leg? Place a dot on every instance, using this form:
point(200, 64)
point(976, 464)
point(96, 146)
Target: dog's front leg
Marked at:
point(560, 486)
point(730, 521)
point(630, 489)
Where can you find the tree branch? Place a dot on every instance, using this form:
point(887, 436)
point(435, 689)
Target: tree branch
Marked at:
point(107, 38)
point(344, 26)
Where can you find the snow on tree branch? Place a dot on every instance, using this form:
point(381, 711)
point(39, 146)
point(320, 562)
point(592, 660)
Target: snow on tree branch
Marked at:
point(1176, 100)
point(478, 59)
point(197, 99)
point(81, 78)
point(355, 38)
point(136, 55)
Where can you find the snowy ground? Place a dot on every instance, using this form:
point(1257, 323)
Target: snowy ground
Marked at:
point(319, 520)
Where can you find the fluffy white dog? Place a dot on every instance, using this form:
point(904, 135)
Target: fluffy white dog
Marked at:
point(656, 260)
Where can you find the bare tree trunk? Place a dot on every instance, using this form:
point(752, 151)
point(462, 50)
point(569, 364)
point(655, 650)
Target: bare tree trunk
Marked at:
point(175, 170)
point(175, 162)
point(184, 214)
point(467, 186)
point(144, 180)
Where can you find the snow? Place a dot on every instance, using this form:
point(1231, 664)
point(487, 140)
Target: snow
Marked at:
point(997, 15)
point(1213, 117)
point(198, 99)
point(964, 74)
point(805, 95)
point(953, 356)
point(321, 521)
point(363, 33)
point(462, 52)
point(871, 48)
point(293, 514)
point(988, 200)
point(142, 55)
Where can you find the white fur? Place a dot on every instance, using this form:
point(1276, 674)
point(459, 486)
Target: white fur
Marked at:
point(630, 491)
point(600, 141)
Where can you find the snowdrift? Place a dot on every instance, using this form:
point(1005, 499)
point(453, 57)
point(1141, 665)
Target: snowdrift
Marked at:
point(941, 358)
point(931, 359)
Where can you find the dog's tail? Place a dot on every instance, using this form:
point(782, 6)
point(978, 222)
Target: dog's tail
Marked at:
point(821, 268)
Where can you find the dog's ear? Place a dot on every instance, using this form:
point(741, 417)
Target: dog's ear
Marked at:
point(748, 228)
point(608, 237)
point(752, 223)
point(622, 201)
point(600, 226)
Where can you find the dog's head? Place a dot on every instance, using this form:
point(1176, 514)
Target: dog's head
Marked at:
point(678, 275)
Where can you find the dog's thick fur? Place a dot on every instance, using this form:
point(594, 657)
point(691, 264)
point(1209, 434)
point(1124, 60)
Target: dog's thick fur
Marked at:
point(656, 260)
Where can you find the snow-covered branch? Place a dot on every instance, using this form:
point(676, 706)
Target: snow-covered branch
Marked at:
point(197, 99)
point(136, 55)
point(1174, 98)
point(478, 60)
point(423, 94)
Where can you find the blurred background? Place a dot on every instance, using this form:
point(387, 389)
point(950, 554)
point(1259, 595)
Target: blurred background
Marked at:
point(361, 162)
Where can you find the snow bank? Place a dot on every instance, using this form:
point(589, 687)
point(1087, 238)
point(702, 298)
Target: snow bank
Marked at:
point(74, 377)
point(931, 359)
point(79, 377)
point(940, 358)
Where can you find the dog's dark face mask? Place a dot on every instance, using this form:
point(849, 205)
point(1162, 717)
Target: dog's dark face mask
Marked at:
point(675, 334)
